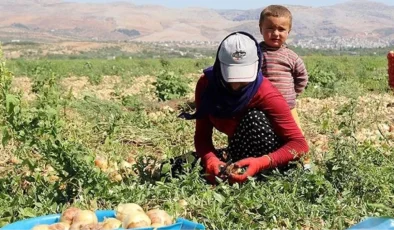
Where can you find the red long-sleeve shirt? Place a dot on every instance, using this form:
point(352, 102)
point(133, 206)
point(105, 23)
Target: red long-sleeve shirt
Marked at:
point(267, 99)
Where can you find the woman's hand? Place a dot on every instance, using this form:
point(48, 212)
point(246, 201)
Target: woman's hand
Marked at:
point(212, 167)
point(253, 164)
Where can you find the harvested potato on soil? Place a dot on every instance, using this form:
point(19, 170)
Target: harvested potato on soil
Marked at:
point(124, 165)
point(115, 176)
point(136, 219)
point(182, 203)
point(123, 209)
point(131, 160)
point(159, 216)
point(101, 162)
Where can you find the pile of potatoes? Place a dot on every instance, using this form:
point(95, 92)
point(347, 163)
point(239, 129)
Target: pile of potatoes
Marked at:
point(128, 216)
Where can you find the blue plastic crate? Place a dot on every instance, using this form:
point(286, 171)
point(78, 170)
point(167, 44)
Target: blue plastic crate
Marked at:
point(27, 224)
point(372, 223)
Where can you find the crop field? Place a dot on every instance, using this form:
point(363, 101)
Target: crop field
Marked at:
point(92, 134)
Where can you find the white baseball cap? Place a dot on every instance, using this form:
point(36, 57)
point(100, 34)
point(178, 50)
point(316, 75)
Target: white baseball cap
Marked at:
point(238, 58)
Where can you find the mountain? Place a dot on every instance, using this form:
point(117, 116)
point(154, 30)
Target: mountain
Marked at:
point(56, 20)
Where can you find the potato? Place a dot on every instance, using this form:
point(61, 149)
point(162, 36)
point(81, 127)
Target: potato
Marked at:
point(115, 176)
point(131, 160)
point(76, 226)
point(53, 178)
point(182, 203)
point(136, 219)
point(96, 226)
point(59, 226)
point(41, 227)
point(68, 215)
point(85, 216)
point(233, 169)
point(123, 209)
point(85, 226)
point(125, 165)
point(159, 216)
point(157, 225)
point(111, 223)
point(101, 162)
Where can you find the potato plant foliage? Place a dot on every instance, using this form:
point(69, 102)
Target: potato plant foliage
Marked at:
point(170, 86)
point(50, 143)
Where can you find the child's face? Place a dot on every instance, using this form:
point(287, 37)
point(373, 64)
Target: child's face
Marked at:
point(275, 31)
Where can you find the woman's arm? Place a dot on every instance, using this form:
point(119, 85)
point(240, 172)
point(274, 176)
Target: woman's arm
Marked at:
point(204, 127)
point(277, 110)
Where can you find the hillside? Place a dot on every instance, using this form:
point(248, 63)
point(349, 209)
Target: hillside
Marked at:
point(55, 20)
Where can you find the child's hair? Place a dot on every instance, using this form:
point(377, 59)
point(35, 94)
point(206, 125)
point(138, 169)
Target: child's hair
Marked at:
point(276, 11)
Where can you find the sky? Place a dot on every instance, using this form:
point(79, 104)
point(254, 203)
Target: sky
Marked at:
point(230, 4)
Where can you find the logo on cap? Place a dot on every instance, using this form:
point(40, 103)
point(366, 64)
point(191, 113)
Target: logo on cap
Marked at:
point(238, 55)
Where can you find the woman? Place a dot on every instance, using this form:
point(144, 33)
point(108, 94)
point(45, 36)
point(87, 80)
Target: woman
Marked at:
point(233, 97)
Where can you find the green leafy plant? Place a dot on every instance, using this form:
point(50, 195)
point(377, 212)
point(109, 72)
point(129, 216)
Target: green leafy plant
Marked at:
point(350, 179)
point(170, 86)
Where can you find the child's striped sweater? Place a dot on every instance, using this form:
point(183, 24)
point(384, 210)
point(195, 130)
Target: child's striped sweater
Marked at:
point(285, 70)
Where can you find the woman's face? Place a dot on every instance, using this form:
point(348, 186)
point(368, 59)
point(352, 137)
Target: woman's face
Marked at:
point(237, 85)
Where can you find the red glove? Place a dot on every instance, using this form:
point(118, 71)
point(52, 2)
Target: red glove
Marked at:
point(254, 165)
point(212, 166)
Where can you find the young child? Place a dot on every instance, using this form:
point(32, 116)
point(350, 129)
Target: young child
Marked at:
point(282, 66)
